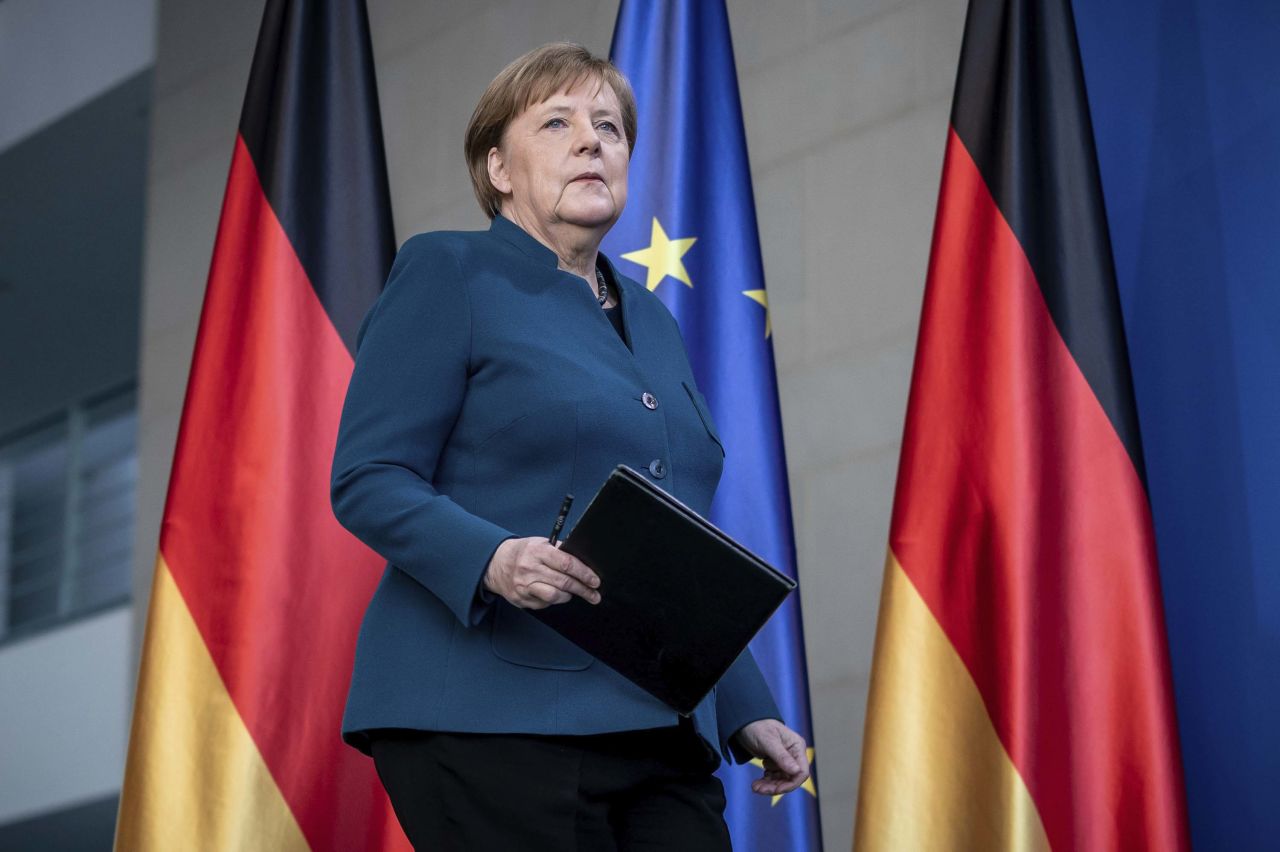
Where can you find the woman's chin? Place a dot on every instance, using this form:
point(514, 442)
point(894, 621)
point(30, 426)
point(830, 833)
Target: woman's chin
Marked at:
point(592, 215)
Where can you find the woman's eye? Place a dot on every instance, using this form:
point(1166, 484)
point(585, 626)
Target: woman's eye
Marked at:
point(608, 127)
point(556, 122)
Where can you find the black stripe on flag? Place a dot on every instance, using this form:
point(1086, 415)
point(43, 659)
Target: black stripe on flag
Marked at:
point(319, 152)
point(1021, 111)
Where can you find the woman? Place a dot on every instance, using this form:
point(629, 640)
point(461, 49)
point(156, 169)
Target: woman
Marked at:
point(498, 371)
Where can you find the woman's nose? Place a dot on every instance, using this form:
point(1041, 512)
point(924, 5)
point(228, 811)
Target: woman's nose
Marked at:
point(587, 140)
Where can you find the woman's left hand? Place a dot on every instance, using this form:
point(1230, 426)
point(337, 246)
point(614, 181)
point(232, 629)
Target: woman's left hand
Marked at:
point(784, 752)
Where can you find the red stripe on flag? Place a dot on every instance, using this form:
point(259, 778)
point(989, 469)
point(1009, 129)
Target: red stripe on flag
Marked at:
point(275, 585)
point(1022, 522)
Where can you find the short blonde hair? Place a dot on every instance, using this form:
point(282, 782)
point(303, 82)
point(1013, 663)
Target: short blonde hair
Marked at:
point(529, 80)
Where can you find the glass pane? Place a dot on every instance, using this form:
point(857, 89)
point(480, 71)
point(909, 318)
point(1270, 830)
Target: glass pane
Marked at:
point(31, 607)
point(41, 581)
point(37, 483)
point(108, 482)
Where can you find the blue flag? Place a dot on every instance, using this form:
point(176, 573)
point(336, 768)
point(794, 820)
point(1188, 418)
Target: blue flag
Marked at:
point(689, 233)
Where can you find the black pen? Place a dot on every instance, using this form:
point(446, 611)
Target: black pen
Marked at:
point(560, 519)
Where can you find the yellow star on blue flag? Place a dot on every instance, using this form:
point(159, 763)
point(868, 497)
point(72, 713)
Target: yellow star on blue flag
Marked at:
point(662, 257)
point(761, 298)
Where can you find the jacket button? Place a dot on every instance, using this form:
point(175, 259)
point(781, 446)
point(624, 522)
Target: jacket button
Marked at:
point(650, 401)
point(657, 468)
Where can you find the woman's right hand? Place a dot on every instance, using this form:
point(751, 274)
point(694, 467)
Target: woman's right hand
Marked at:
point(533, 573)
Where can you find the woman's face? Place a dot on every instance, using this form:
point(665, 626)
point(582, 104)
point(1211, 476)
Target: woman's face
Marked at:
point(565, 160)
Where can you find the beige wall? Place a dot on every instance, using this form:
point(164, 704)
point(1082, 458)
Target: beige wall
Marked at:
point(846, 109)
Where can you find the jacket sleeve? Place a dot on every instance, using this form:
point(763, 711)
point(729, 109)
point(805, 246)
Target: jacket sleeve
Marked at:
point(742, 697)
point(406, 391)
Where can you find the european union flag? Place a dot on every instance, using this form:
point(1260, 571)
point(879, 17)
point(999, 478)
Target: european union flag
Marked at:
point(689, 232)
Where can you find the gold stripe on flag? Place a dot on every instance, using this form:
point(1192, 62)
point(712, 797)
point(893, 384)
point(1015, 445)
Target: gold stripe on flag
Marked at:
point(934, 773)
point(195, 778)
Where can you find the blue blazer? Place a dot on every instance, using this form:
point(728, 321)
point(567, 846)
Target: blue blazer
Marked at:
point(487, 385)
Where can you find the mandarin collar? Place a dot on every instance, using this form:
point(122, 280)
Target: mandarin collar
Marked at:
point(527, 243)
point(523, 240)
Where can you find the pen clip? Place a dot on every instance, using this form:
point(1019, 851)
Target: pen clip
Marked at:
point(560, 519)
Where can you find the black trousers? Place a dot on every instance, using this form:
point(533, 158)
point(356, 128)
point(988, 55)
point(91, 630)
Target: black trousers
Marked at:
point(637, 790)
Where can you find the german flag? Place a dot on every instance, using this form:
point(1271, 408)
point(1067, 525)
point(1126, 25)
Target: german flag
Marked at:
point(1020, 694)
point(258, 591)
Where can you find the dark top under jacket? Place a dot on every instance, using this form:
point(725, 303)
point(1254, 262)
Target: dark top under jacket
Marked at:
point(614, 315)
point(488, 383)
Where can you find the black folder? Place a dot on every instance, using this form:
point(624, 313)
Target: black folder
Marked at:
point(680, 599)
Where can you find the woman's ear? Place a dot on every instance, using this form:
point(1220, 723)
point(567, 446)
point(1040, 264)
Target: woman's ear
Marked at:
point(498, 174)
